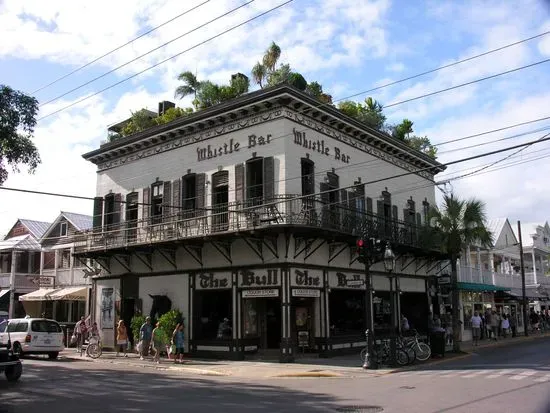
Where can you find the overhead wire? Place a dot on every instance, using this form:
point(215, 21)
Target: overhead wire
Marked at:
point(78, 69)
point(167, 59)
point(149, 52)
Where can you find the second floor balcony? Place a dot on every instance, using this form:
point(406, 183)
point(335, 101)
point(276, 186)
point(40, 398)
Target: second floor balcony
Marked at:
point(294, 213)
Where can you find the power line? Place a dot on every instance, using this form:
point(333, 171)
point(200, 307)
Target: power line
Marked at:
point(149, 52)
point(168, 59)
point(543, 139)
point(515, 125)
point(396, 82)
point(119, 47)
point(467, 83)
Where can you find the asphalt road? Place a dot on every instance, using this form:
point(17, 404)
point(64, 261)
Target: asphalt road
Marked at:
point(507, 379)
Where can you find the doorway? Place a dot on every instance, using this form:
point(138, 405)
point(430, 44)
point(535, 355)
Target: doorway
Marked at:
point(262, 319)
point(302, 321)
point(220, 201)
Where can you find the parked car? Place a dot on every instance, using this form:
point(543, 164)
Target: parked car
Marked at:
point(34, 336)
point(10, 364)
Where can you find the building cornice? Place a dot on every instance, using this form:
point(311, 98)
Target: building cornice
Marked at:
point(256, 108)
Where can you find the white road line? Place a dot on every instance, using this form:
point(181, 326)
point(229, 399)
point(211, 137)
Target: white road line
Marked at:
point(474, 374)
point(499, 374)
point(523, 375)
point(542, 379)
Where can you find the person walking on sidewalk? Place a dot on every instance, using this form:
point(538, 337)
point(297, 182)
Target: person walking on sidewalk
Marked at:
point(178, 340)
point(495, 324)
point(476, 328)
point(513, 324)
point(505, 325)
point(157, 340)
point(121, 338)
point(488, 323)
point(145, 333)
point(81, 331)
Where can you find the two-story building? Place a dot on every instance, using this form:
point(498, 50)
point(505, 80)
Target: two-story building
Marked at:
point(20, 264)
point(250, 211)
point(65, 283)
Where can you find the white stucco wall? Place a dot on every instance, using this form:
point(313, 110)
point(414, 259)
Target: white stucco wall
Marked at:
point(107, 329)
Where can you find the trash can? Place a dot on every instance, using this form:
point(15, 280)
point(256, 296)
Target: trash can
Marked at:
point(437, 343)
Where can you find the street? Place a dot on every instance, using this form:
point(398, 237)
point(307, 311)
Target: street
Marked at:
point(502, 379)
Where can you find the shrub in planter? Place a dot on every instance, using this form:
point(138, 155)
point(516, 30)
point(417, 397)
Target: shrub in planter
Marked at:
point(168, 323)
point(135, 324)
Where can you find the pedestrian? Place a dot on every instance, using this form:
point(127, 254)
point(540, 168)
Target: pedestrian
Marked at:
point(121, 338)
point(178, 340)
point(495, 324)
point(158, 342)
point(513, 323)
point(145, 334)
point(404, 323)
point(488, 323)
point(476, 328)
point(505, 324)
point(81, 331)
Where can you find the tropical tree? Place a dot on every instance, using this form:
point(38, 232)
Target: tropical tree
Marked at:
point(17, 121)
point(263, 71)
point(259, 73)
point(271, 57)
point(455, 225)
point(172, 114)
point(191, 86)
point(139, 121)
point(315, 89)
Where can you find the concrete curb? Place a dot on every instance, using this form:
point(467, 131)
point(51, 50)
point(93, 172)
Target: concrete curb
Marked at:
point(309, 374)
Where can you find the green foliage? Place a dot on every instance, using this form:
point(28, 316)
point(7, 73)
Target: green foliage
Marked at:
point(239, 85)
point(172, 114)
point(17, 121)
point(316, 90)
point(460, 223)
point(138, 122)
point(191, 85)
point(135, 324)
point(297, 80)
point(168, 323)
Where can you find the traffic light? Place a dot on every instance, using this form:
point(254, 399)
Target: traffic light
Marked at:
point(361, 250)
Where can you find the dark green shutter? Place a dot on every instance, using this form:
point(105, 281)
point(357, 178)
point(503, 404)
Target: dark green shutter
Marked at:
point(97, 219)
point(269, 179)
point(146, 205)
point(167, 201)
point(200, 193)
point(239, 183)
point(176, 198)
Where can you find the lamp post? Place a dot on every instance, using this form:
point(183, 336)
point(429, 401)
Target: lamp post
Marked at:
point(389, 266)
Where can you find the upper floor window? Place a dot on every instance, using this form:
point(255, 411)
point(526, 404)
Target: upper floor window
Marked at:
point(308, 176)
point(255, 179)
point(157, 194)
point(189, 192)
point(63, 229)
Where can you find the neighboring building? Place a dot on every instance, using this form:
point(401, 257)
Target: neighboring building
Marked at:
point(65, 286)
point(20, 263)
point(250, 211)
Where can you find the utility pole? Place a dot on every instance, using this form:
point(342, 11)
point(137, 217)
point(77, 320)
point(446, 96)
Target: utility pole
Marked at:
point(523, 293)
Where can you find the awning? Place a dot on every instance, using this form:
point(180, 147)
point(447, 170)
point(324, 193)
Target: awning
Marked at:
point(71, 294)
point(530, 293)
point(480, 287)
point(41, 294)
point(3, 292)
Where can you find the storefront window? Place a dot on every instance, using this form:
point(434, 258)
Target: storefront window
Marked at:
point(468, 313)
point(213, 310)
point(250, 318)
point(347, 312)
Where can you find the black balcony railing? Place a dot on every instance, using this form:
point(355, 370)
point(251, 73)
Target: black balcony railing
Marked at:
point(282, 210)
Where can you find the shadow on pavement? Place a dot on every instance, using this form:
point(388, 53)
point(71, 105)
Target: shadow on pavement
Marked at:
point(63, 389)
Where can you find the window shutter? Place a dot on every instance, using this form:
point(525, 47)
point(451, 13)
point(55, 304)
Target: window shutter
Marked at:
point(394, 213)
point(324, 201)
point(418, 219)
point(117, 210)
point(97, 220)
point(176, 197)
point(146, 207)
point(167, 200)
point(269, 178)
point(369, 206)
point(344, 198)
point(200, 193)
point(239, 183)
point(380, 208)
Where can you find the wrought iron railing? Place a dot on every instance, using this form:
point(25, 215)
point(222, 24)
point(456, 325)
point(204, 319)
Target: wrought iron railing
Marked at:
point(293, 210)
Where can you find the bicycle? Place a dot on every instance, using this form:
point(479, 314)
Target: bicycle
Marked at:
point(422, 351)
point(382, 354)
point(94, 348)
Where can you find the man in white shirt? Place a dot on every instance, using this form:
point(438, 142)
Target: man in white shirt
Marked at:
point(476, 327)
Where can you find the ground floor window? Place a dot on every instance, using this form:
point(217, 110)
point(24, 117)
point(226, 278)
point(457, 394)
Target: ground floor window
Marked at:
point(213, 315)
point(261, 318)
point(347, 312)
point(415, 307)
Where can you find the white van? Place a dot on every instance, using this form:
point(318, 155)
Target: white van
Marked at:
point(34, 336)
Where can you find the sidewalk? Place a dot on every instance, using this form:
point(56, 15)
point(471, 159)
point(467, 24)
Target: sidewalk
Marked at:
point(336, 367)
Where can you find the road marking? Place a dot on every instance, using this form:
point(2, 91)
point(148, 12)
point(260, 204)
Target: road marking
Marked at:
point(543, 379)
point(474, 374)
point(523, 375)
point(499, 374)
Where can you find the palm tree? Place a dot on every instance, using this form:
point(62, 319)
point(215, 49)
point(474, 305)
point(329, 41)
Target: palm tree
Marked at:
point(459, 223)
point(271, 57)
point(259, 73)
point(191, 85)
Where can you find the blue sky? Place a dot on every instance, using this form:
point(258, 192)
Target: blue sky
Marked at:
point(347, 46)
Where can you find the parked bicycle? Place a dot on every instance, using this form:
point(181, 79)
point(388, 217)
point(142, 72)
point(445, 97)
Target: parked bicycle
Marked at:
point(382, 354)
point(422, 351)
